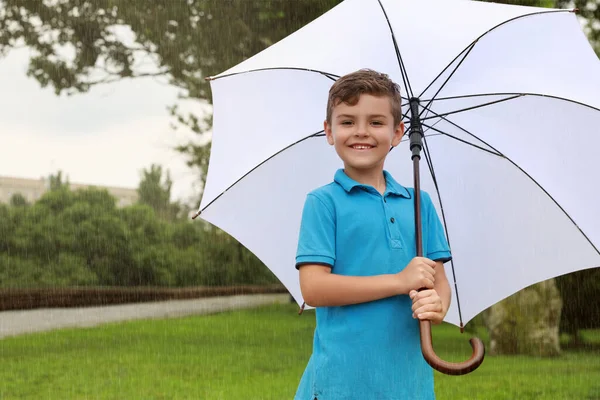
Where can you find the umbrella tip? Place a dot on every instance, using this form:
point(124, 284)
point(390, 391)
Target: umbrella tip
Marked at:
point(208, 78)
point(575, 10)
point(196, 215)
point(462, 328)
point(301, 308)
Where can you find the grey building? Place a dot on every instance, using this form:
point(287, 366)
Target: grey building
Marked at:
point(33, 189)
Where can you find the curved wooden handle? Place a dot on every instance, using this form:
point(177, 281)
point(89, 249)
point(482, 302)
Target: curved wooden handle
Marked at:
point(446, 367)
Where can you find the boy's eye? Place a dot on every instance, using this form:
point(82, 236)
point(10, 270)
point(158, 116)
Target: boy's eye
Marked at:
point(346, 122)
point(377, 123)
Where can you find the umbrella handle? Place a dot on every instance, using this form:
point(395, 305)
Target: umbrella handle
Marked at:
point(445, 367)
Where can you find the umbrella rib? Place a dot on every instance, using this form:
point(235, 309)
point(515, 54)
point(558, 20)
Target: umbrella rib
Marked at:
point(514, 95)
point(398, 55)
point(472, 44)
point(527, 175)
point(472, 108)
point(431, 126)
point(317, 134)
point(439, 196)
point(447, 79)
point(406, 138)
point(464, 141)
point(329, 75)
point(466, 96)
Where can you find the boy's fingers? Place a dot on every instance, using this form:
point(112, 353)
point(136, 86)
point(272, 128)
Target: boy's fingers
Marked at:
point(430, 316)
point(422, 294)
point(426, 305)
point(426, 283)
point(428, 311)
point(429, 262)
point(427, 268)
point(424, 297)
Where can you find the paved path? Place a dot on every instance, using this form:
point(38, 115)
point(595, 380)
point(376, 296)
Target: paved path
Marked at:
point(13, 323)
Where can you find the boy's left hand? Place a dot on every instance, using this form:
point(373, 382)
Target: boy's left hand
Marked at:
point(427, 305)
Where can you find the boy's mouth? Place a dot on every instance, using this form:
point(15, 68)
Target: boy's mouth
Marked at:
point(360, 146)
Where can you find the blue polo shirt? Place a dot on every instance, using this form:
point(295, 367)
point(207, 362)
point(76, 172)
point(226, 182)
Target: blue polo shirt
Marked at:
point(370, 350)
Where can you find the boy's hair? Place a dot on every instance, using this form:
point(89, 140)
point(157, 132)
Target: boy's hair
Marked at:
point(349, 87)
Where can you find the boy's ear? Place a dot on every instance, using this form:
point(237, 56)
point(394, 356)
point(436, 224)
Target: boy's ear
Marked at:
point(398, 134)
point(328, 133)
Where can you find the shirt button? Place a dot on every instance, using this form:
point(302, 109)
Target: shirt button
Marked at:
point(392, 220)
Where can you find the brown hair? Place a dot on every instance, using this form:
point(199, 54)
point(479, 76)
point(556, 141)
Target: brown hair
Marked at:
point(349, 87)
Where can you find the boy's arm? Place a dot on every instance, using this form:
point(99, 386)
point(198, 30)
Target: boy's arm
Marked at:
point(321, 288)
point(442, 286)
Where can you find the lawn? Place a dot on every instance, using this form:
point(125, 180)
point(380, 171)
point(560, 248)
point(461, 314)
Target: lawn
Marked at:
point(251, 354)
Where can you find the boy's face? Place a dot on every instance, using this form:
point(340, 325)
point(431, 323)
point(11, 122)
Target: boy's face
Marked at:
point(363, 134)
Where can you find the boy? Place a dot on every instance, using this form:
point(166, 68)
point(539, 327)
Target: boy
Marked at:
point(356, 257)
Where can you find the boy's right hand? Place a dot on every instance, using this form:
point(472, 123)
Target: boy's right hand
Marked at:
point(418, 274)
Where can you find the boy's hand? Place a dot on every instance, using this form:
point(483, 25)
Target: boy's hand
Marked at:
point(427, 305)
point(418, 274)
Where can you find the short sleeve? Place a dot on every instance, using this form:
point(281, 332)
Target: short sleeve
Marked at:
point(316, 241)
point(436, 245)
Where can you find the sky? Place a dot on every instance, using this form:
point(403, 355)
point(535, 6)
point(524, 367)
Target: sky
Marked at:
point(102, 137)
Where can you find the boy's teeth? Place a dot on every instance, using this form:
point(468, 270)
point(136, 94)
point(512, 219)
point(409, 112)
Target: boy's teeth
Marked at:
point(361, 147)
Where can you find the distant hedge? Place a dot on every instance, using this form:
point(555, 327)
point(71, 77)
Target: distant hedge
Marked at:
point(80, 238)
point(24, 299)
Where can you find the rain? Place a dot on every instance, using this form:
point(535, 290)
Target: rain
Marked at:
point(111, 284)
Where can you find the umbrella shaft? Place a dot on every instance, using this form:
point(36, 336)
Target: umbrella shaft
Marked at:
point(416, 129)
point(418, 225)
point(416, 145)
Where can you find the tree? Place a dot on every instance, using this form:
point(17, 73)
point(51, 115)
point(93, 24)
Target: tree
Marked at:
point(155, 192)
point(56, 182)
point(527, 322)
point(582, 311)
point(187, 41)
point(18, 200)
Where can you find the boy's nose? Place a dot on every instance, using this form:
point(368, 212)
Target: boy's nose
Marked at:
point(362, 130)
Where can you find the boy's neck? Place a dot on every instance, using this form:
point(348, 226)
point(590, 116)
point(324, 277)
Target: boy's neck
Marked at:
point(373, 177)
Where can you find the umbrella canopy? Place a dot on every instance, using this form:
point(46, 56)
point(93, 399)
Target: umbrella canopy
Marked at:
point(509, 100)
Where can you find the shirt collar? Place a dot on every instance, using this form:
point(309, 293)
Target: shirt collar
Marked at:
point(392, 187)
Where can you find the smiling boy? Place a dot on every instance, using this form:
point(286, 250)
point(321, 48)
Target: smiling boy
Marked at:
point(357, 259)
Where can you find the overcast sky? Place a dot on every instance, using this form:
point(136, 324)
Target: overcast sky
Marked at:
point(104, 137)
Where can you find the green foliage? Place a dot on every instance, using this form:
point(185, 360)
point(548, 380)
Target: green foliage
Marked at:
point(79, 238)
point(56, 182)
point(155, 192)
point(18, 200)
point(187, 40)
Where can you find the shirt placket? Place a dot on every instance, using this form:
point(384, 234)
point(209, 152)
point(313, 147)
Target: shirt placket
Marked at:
point(391, 223)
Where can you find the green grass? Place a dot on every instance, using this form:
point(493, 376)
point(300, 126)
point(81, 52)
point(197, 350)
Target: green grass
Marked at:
point(252, 354)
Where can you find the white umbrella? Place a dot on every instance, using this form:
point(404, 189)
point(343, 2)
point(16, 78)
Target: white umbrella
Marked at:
point(509, 105)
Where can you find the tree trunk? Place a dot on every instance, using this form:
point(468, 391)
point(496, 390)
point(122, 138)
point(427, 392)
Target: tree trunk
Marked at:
point(527, 322)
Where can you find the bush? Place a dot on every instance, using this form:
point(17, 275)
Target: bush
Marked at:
point(81, 238)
